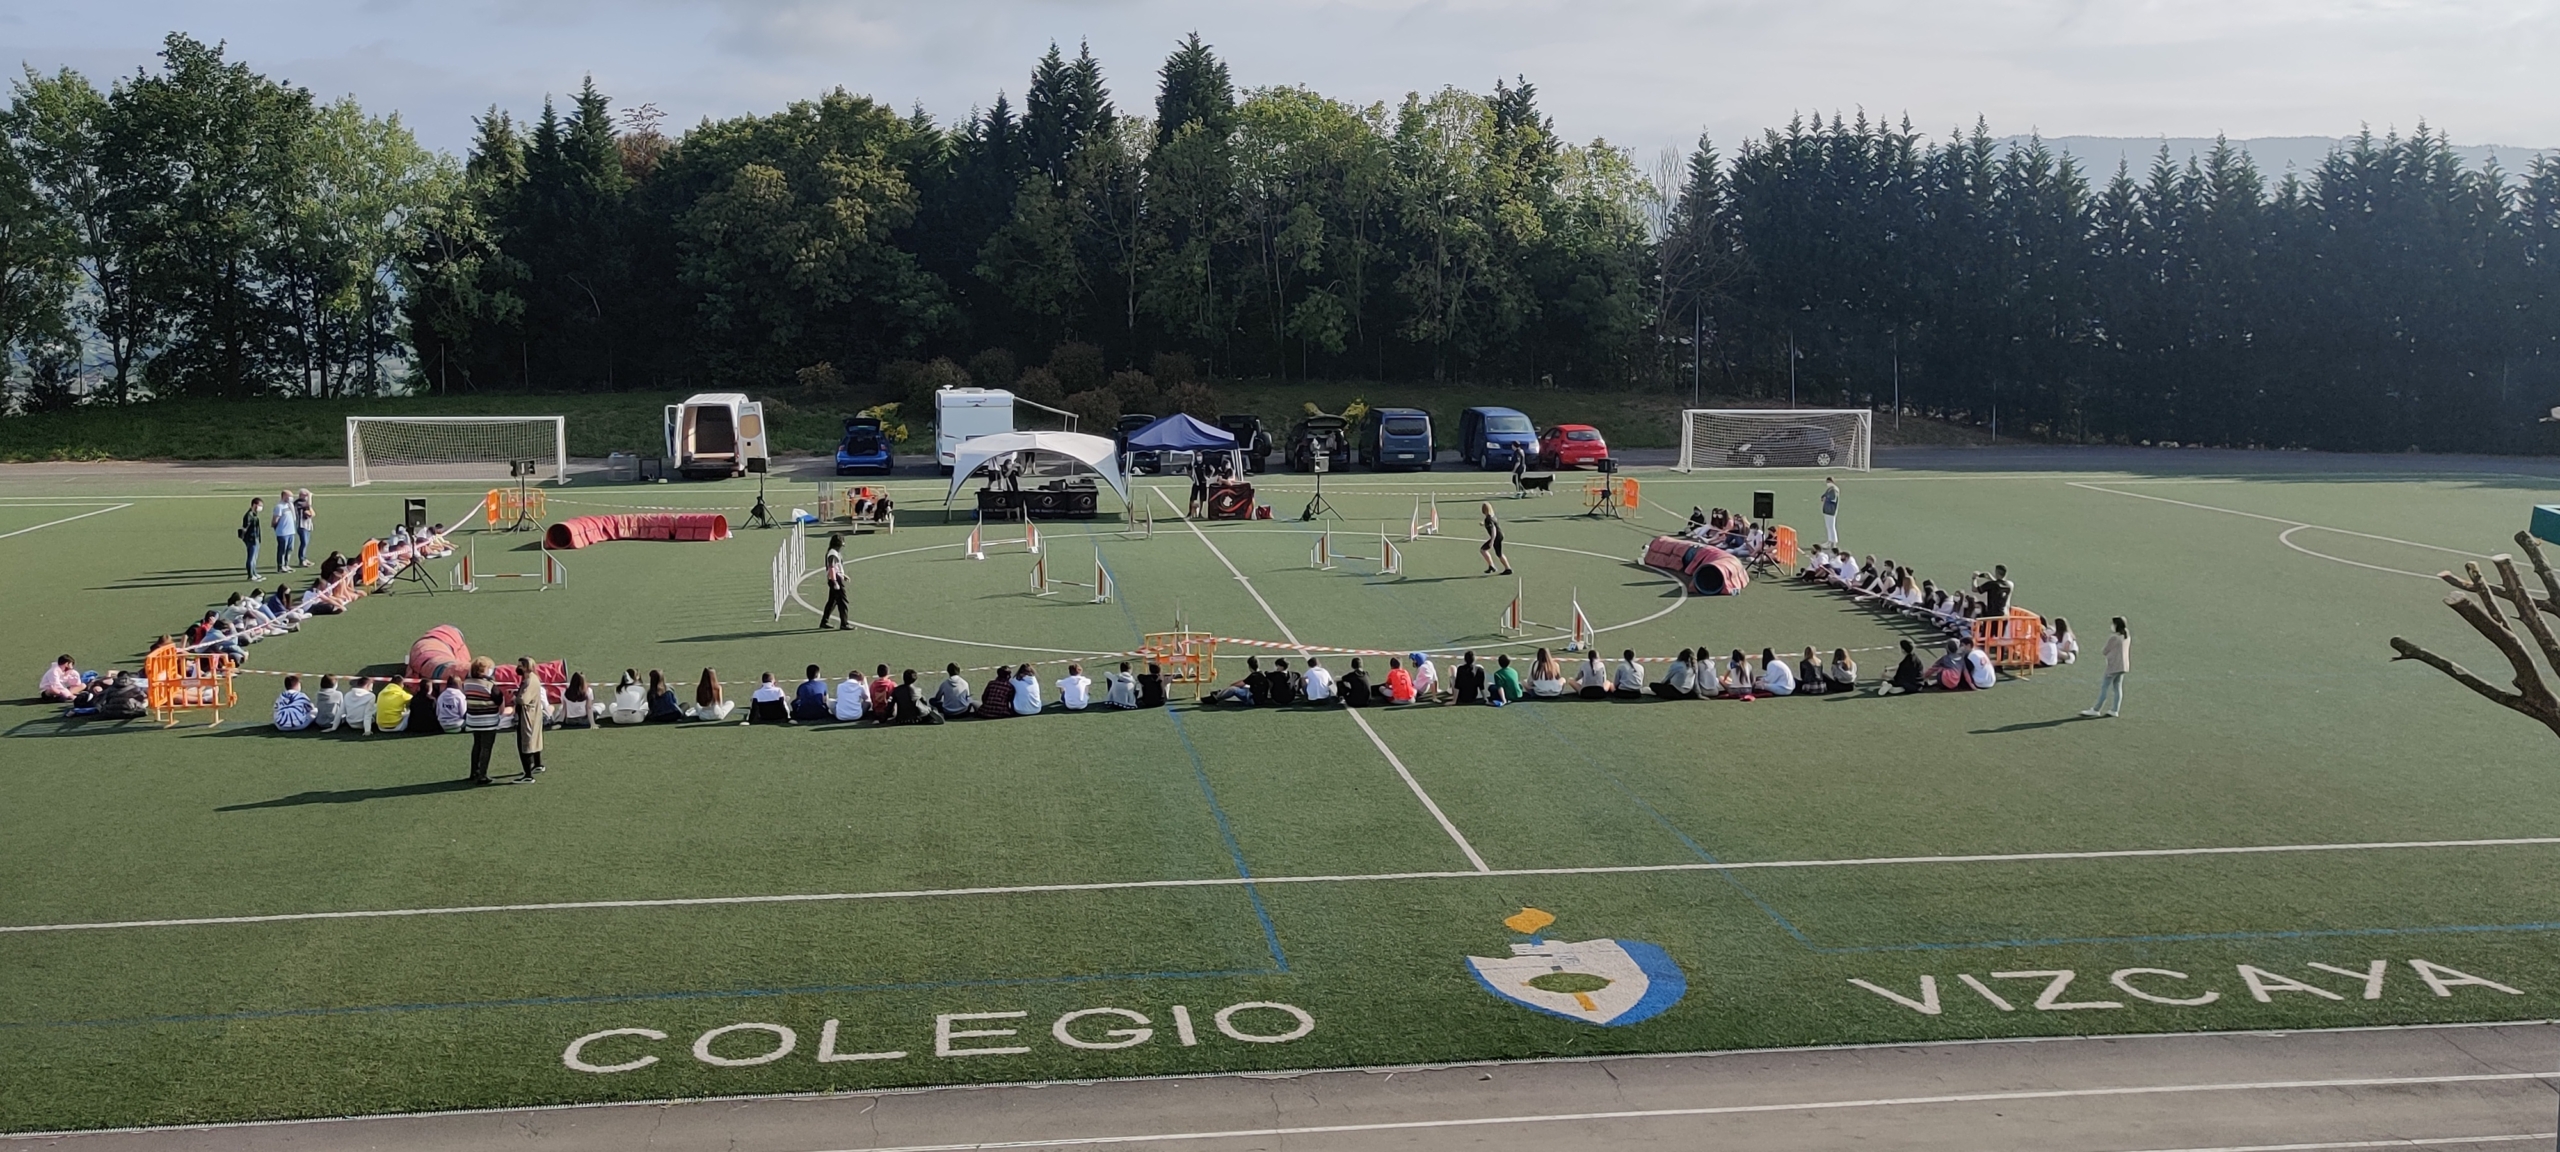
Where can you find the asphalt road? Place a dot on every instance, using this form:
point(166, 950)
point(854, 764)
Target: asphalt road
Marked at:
point(2486, 1087)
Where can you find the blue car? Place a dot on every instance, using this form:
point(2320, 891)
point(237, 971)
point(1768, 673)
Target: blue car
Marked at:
point(1494, 437)
point(864, 449)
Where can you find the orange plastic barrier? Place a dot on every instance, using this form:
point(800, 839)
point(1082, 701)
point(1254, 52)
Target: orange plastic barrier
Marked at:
point(184, 681)
point(584, 530)
point(1184, 658)
point(1786, 548)
point(2010, 640)
point(509, 506)
point(369, 564)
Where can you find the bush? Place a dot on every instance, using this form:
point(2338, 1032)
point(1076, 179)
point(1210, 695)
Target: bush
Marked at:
point(994, 368)
point(820, 383)
point(1173, 368)
point(1077, 366)
point(1039, 387)
point(1097, 408)
point(1137, 391)
point(1191, 399)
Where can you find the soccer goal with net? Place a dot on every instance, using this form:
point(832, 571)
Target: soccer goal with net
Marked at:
point(454, 447)
point(1775, 438)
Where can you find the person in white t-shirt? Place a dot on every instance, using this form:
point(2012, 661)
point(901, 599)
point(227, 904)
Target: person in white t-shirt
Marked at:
point(1978, 666)
point(1627, 682)
point(1776, 679)
point(1593, 677)
point(853, 694)
point(1026, 691)
point(1074, 689)
point(2119, 657)
point(1318, 681)
point(1426, 679)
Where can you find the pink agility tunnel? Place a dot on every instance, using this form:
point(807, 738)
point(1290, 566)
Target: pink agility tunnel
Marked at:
point(438, 654)
point(1708, 570)
point(585, 530)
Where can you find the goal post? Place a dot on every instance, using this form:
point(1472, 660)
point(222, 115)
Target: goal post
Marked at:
point(454, 447)
point(1775, 438)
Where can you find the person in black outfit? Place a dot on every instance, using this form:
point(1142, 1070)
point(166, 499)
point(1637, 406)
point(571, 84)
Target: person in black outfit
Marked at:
point(1281, 689)
point(1355, 689)
point(1995, 591)
point(1199, 485)
point(903, 706)
point(1491, 549)
point(1906, 675)
point(1151, 688)
point(835, 586)
point(1468, 680)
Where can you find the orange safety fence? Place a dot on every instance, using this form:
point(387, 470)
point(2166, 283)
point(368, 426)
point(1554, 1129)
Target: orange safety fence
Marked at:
point(2011, 641)
point(1184, 658)
point(510, 506)
point(369, 564)
point(184, 681)
point(1786, 547)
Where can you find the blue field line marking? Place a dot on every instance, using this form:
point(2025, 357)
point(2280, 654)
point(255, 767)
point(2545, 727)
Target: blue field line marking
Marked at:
point(621, 998)
point(1226, 830)
point(2197, 937)
point(1694, 847)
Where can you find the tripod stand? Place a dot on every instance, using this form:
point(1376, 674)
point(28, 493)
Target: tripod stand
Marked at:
point(1319, 506)
point(415, 571)
point(759, 516)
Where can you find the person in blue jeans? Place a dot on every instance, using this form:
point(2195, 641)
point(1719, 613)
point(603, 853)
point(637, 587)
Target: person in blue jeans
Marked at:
point(288, 528)
point(253, 524)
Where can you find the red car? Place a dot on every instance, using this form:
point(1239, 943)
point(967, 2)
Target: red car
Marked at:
point(1571, 446)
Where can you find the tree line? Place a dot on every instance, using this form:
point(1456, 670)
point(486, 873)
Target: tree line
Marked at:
point(202, 230)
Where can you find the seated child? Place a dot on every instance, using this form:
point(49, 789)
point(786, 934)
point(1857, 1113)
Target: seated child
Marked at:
point(293, 709)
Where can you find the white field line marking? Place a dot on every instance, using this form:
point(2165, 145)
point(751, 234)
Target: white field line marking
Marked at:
point(2286, 537)
point(1469, 850)
point(1344, 878)
point(1749, 1109)
point(64, 520)
point(2395, 1142)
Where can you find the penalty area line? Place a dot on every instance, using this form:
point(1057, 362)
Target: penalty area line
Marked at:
point(1228, 881)
point(65, 520)
point(1429, 805)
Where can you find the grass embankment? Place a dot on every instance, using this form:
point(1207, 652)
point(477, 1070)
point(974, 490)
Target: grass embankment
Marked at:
point(602, 423)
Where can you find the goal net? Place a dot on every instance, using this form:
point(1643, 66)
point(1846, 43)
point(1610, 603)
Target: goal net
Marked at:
point(1775, 438)
point(454, 447)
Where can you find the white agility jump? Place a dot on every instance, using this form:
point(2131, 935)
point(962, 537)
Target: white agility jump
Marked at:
point(467, 573)
point(1100, 586)
point(1389, 560)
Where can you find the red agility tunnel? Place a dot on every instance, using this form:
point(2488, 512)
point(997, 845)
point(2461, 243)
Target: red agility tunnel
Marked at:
point(1709, 570)
point(585, 530)
point(438, 654)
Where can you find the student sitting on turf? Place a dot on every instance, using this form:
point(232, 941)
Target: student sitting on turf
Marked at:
point(951, 698)
point(1426, 678)
point(1316, 686)
point(217, 638)
point(1809, 681)
point(61, 681)
point(1354, 688)
point(359, 706)
point(391, 706)
point(662, 707)
point(766, 705)
point(995, 701)
point(1283, 685)
point(1776, 679)
point(452, 707)
point(1268, 686)
point(1467, 681)
point(1026, 691)
point(422, 710)
point(1736, 682)
point(1907, 676)
point(126, 697)
point(1593, 677)
point(1627, 682)
point(809, 704)
point(328, 706)
point(630, 700)
point(1680, 680)
point(293, 709)
point(709, 703)
point(1841, 675)
point(1075, 689)
point(1399, 683)
point(1949, 671)
point(1546, 677)
point(905, 708)
point(881, 686)
point(1506, 682)
point(1120, 689)
point(1978, 666)
point(1151, 688)
point(2057, 646)
point(1243, 692)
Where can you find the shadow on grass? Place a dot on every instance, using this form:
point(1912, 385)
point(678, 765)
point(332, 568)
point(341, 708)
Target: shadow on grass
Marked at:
point(178, 578)
point(722, 637)
point(2027, 726)
point(354, 795)
point(79, 726)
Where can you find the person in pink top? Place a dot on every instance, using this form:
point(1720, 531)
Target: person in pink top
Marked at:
point(881, 687)
point(61, 681)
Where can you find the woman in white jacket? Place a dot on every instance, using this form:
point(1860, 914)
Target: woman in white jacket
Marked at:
point(2119, 657)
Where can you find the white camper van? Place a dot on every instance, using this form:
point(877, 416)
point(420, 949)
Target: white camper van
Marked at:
point(716, 435)
point(963, 413)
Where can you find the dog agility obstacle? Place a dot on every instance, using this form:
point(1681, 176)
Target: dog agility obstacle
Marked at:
point(467, 574)
point(1389, 560)
point(1101, 586)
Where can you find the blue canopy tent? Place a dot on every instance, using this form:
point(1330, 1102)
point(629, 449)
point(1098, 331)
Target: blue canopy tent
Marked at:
point(1180, 433)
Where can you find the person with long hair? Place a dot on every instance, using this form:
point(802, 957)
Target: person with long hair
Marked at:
point(1776, 679)
point(1546, 675)
point(1736, 682)
point(660, 702)
point(2119, 656)
point(1491, 549)
point(531, 705)
point(1842, 673)
point(836, 605)
point(1680, 680)
point(709, 703)
point(1809, 678)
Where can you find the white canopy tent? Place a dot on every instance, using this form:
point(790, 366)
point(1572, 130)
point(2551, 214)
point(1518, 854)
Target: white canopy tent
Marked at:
point(1096, 452)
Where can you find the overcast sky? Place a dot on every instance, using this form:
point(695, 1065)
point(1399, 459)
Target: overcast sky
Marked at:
point(1643, 75)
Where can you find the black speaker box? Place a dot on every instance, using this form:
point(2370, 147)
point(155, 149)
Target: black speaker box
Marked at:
point(1764, 505)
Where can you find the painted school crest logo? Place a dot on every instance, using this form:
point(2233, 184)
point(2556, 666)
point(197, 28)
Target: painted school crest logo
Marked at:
point(1607, 982)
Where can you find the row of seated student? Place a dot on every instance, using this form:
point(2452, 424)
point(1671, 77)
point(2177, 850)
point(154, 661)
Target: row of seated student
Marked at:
point(1692, 675)
point(1896, 588)
point(1010, 692)
point(111, 694)
point(1733, 532)
point(370, 704)
point(248, 617)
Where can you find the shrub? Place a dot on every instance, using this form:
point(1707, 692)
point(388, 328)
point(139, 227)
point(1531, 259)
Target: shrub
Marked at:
point(1077, 366)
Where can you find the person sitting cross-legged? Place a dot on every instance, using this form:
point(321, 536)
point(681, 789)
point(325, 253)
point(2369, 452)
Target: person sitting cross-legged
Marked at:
point(1400, 688)
point(951, 698)
point(663, 706)
point(359, 705)
point(809, 704)
point(1151, 688)
point(1736, 682)
point(1776, 679)
point(1680, 680)
point(1354, 687)
point(1075, 689)
point(1809, 680)
point(995, 701)
point(61, 681)
point(1120, 689)
point(1627, 681)
point(1281, 686)
point(1505, 687)
point(709, 702)
point(1546, 676)
point(391, 706)
point(1467, 681)
point(766, 705)
point(328, 706)
point(453, 708)
point(294, 710)
point(1026, 691)
point(1316, 685)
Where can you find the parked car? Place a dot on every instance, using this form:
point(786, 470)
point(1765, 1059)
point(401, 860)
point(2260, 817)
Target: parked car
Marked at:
point(1251, 439)
point(1495, 437)
point(1318, 435)
point(863, 449)
point(1794, 446)
point(1396, 438)
point(1571, 446)
point(1134, 462)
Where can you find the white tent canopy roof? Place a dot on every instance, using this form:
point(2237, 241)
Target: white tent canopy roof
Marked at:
point(1096, 452)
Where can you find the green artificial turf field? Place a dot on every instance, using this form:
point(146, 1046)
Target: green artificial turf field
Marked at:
point(1097, 895)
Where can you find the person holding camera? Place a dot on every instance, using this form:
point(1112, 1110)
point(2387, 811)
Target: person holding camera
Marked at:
point(1994, 588)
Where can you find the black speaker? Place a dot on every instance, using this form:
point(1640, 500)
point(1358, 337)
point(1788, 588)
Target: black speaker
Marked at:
point(1764, 505)
point(413, 513)
point(1608, 465)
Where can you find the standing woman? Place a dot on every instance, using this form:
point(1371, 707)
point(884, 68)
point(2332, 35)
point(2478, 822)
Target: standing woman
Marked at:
point(253, 525)
point(2119, 654)
point(531, 705)
point(288, 529)
point(302, 526)
point(835, 586)
point(1491, 549)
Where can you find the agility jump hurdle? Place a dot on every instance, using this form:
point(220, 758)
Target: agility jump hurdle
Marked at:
point(1042, 585)
point(467, 574)
point(976, 548)
point(1390, 559)
point(1425, 526)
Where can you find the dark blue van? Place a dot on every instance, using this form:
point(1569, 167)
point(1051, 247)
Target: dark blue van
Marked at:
point(1396, 438)
point(1494, 437)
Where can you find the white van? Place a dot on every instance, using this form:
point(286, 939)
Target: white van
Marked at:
point(966, 413)
point(716, 435)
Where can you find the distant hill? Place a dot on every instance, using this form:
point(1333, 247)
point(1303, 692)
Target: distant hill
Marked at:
point(2275, 154)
